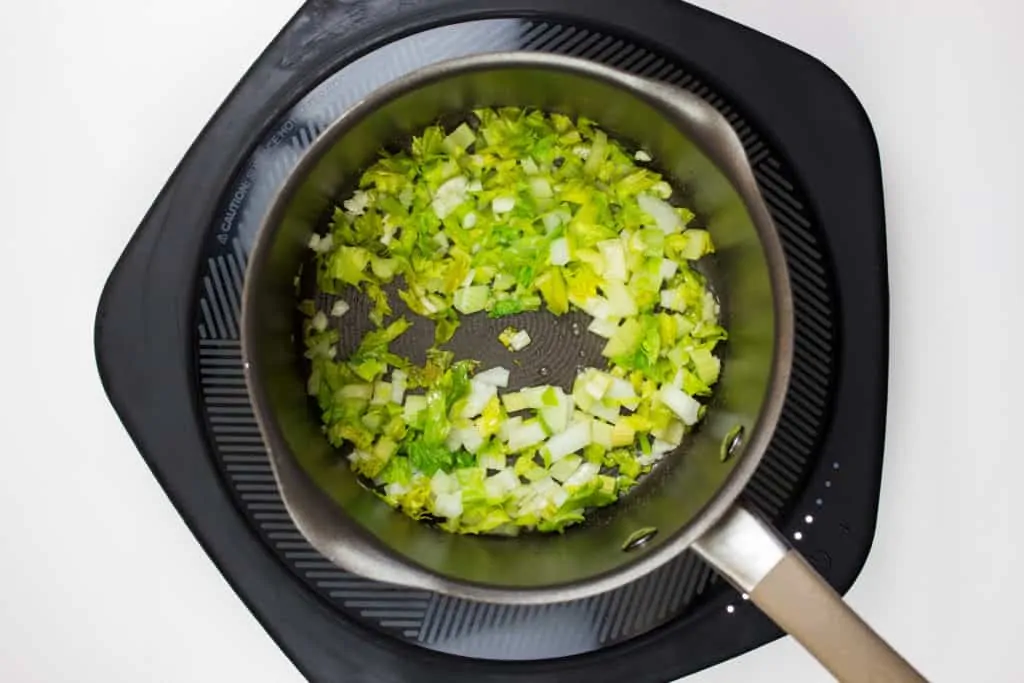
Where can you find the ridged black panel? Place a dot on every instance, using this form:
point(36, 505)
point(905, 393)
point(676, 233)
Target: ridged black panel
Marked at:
point(434, 621)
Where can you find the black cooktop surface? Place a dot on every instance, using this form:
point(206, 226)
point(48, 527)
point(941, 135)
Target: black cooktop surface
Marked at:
point(815, 159)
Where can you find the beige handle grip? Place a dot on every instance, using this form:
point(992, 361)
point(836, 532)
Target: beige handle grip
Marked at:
point(796, 598)
point(754, 558)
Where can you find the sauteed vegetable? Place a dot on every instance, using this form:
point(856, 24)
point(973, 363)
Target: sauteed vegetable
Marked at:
point(515, 210)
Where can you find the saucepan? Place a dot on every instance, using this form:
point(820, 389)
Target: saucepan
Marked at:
point(690, 501)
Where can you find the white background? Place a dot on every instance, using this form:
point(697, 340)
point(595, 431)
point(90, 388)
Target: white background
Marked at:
point(101, 581)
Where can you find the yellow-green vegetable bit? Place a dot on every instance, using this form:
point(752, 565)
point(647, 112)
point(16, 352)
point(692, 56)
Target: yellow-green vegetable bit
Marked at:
point(515, 210)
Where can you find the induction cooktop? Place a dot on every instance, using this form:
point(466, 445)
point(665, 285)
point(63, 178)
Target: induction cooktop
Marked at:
point(167, 340)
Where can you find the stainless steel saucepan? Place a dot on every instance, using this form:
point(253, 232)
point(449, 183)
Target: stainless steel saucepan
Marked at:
point(691, 497)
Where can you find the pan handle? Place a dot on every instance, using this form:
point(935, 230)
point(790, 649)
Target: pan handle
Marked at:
point(791, 593)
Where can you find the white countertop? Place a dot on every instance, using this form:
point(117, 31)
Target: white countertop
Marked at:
point(103, 582)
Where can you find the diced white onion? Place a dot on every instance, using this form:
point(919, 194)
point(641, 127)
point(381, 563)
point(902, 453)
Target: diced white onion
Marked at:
point(498, 377)
point(519, 341)
point(381, 393)
point(448, 505)
point(525, 435)
point(399, 380)
point(662, 212)
point(414, 405)
point(660, 447)
point(614, 254)
point(662, 189)
point(480, 394)
point(449, 196)
point(621, 303)
point(642, 156)
point(559, 255)
point(492, 461)
point(597, 384)
point(604, 411)
point(623, 392)
point(551, 220)
point(565, 468)
point(356, 205)
point(598, 307)
point(503, 204)
point(668, 268)
point(601, 434)
point(319, 321)
point(340, 308)
point(469, 220)
point(471, 439)
point(501, 484)
point(508, 426)
point(557, 416)
point(587, 471)
point(680, 403)
point(443, 482)
point(603, 328)
point(395, 490)
point(575, 438)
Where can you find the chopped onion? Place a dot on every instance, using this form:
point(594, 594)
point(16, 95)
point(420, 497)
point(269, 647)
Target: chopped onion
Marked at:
point(480, 394)
point(642, 156)
point(660, 447)
point(623, 393)
point(442, 482)
point(551, 221)
point(668, 269)
point(566, 467)
point(340, 308)
point(471, 439)
point(448, 505)
point(492, 461)
point(519, 341)
point(399, 380)
point(603, 328)
point(621, 303)
point(508, 426)
point(503, 204)
point(395, 490)
point(414, 405)
point(586, 472)
point(575, 438)
point(469, 220)
point(598, 307)
point(498, 376)
point(529, 433)
point(381, 393)
point(559, 255)
point(319, 321)
point(601, 434)
point(614, 254)
point(662, 212)
point(556, 417)
point(682, 404)
point(357, 204)
point(469, 300)
point(540, 188)
point(449, 196)
point(501, 484)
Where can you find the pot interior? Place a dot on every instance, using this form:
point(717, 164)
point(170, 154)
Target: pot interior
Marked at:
point(320, 490)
